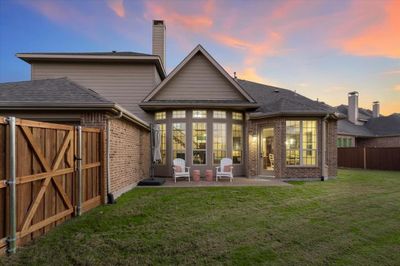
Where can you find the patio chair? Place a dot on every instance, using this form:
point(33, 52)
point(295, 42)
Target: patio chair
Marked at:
point(180, 169)
point(271, 159)
point(225, 170)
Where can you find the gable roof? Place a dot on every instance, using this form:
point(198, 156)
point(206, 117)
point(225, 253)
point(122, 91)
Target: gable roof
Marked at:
point(199, 49)
point(276, 101)
point(57, 94)
point(113, 56)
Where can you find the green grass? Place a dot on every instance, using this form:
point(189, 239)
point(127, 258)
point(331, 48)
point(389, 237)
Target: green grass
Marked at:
point(354, 219)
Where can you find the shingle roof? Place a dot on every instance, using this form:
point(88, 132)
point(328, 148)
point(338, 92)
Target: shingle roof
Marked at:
point(363, 114)
point(274, 100)
point(345, 127)
point(48, 91)
point(114, 53)
point(384, 125)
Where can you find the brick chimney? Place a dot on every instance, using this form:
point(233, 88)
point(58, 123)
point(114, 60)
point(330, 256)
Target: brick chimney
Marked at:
point(352, 112)
point(158, 40)
point(375, 109)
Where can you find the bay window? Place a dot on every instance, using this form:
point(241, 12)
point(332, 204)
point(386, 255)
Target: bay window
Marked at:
point(301, 143)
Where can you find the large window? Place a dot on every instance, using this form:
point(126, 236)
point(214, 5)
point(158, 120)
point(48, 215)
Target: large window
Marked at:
point(163, 146)
point(199, 113)
point(301, 143)
point(199, 135)
point(237, 137)
point(237, 116)
point(219, 142)
point(179, 140)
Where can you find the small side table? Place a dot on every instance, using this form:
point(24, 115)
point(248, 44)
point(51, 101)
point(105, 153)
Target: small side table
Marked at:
point(209, 175)
point(196, 175)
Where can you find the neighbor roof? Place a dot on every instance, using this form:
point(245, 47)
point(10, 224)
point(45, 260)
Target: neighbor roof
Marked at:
point(384, 125)
point(276, 101)
point(363, 114)
point(345, 127)
point(57, 94)
point(113, 56)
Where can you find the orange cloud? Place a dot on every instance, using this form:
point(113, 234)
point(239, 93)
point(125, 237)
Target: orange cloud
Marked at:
point(117, 6)
point(381, 39)
point(397, 88)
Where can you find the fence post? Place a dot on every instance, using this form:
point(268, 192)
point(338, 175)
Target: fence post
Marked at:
point(79, 169)
point(365, 158)
point(12, 239)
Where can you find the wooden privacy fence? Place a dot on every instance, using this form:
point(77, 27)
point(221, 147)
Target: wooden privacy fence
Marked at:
point(369, 158)
point(51, 185)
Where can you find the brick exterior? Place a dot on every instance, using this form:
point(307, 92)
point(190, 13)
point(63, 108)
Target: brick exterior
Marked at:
point(280, 168)
point(378, 142)
point(129, 150)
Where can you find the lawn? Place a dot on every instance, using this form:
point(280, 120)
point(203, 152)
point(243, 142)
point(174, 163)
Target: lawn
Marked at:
point(354, 219)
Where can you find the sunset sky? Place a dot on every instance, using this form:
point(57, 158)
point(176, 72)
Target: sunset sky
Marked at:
point(321, 49)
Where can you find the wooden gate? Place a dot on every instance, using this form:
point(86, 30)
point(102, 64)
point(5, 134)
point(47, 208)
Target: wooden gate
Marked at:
point(46, 185)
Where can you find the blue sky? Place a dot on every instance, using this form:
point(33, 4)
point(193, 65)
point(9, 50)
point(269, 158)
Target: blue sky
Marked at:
point(322, 49)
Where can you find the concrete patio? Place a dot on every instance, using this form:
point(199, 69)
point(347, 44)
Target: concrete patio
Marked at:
point(237, 182)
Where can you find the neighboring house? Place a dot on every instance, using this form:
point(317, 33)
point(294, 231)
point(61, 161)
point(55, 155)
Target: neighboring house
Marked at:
point(366, 128)
point(204, 114)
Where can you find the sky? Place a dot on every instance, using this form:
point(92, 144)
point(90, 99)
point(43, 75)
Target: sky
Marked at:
point(321, 49)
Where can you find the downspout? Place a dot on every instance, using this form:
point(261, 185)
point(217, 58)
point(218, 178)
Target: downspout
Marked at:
point(324, 174)
point(12, 239)
point(110, 196)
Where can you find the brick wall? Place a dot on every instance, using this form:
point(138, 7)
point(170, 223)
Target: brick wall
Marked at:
point(378, 142)
point(280, 168)
point(129, 150)
point(129, 155)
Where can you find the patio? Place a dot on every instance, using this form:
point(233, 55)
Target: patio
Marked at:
point(237, 182)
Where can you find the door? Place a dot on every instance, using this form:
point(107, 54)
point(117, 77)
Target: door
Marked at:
point(266, 149)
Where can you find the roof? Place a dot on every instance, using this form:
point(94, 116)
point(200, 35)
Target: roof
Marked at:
point(345, 127)
point(199, 49)
point(112, 56)
point(363, 114)
point(57, 94)
point(276, 101)
point(384, 125)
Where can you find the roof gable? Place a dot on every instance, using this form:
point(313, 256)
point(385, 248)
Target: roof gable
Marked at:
point(199, 77)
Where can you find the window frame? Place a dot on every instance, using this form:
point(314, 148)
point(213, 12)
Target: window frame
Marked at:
point(241, 142)
point(214, 116)
point(163, 163)
point(301, 150)
point(225, 139)
point(192, 142)
point(185, 140)
point(199, 110)
point(179, 111)
point(164, 117)
point(235, 118)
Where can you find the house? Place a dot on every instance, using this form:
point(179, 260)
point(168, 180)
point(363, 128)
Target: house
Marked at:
point(204, 114)
point(366, 128)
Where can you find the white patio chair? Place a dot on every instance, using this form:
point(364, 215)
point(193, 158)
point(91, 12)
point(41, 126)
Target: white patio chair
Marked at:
point(271, 160)
point(180, 169)
point(225, 170)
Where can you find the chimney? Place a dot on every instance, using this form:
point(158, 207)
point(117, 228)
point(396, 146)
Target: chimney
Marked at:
point(375, 109)
point(352, 113)
point(158, 41)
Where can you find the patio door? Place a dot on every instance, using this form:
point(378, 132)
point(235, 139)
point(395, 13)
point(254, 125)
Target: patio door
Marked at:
point(267, 160)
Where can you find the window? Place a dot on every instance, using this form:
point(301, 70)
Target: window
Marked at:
point(339, 142)
point(237, 116)
point(179, 114)
point(219, 142)
point(219, 114)
point(160, 115)
point(179, 140)
point(237, 143)
point(301, 142)
point(163, 146)
point(199, 135)
point(199, 114)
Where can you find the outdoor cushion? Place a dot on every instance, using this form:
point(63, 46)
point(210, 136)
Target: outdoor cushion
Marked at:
point(178, 168)
point(227, 168)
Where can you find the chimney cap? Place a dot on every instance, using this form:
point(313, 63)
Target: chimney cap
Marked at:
point(375, 102)
point(353, 93)
point(158, 22)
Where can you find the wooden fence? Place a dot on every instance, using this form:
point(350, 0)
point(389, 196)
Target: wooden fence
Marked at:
point(369, 158)
point(46, 181)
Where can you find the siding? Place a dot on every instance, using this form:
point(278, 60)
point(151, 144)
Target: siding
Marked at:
point(158, 41)
point(126, 84)
point(198, 80)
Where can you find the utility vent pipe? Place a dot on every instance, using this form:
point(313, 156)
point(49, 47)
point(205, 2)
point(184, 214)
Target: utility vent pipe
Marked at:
point(12, 239)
